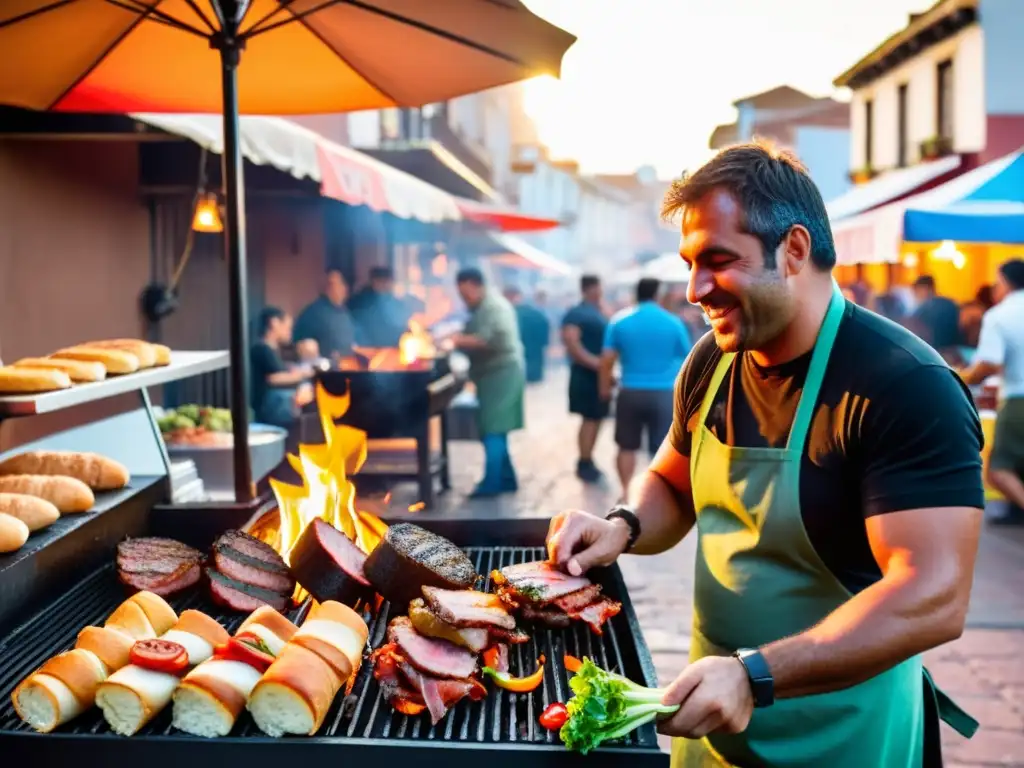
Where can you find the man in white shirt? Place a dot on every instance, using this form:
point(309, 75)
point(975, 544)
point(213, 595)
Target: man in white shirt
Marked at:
point(1001, 351)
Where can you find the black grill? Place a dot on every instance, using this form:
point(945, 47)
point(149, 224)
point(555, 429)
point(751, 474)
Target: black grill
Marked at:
point(502, 730)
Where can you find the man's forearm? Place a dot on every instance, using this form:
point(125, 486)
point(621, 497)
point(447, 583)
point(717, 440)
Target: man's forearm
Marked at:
point(665, 517)
point(888, 622)
point(468, 341)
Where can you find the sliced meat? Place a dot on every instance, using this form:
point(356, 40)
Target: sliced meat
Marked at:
point(428, 624)
point(435, 657)
point(468, 608)
point(163, 584)
point(248, 545)
point(132, 551)
point(499, 663)
point(243, 558)
point(596, 614)
point(539, 582)
point(410, 558)
point(578, 600)
point(240, 596)
point(441, 695)
point(329, 565)
point(515, 636)
point(548, 617)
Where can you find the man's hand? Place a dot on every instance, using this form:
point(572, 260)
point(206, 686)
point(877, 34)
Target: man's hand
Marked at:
point(714, 695)
point(579, 541)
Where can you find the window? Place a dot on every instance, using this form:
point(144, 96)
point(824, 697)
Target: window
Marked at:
point(944, 100)
point(869, 133)
point(901, 127)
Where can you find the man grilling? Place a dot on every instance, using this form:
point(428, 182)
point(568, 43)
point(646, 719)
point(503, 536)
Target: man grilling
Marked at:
point(491, 341)
point(830, 463)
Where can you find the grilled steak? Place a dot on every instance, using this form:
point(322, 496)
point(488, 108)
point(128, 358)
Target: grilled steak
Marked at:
point(511, 636)
point(549, 617)
point(250, 561)
point(329, 565)
point(435, 657)
point(410, 558)
point(578, 600)
point(410, 691)
point(239, 596)
point(467, 608)
point(428, 624)
point(596, 614)
point(539, 582)
point(161, 566)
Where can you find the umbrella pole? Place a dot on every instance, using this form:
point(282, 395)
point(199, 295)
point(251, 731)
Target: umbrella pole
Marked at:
point(234, 252)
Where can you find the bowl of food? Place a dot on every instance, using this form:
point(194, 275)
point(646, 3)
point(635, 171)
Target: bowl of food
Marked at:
point(204, 435)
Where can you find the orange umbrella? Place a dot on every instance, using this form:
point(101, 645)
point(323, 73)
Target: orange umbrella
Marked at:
point(275, 57)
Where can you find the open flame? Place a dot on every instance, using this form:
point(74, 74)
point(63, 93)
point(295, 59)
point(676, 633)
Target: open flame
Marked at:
point(415, 351)
point(416, 344)
point(326, 491)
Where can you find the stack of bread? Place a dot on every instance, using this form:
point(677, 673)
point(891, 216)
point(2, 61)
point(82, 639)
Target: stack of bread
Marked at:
point(295, 693)
point(65, 685)
point(212, 696)
point(81, 364)
point(37, 487)
point(135, 694)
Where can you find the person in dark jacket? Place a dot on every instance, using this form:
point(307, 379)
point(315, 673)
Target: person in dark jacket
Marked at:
point(936, 319)
point(380, 317)
point(535, 333)
point(327, 321)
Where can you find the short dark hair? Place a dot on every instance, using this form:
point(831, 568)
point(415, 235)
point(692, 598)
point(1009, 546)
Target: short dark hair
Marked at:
point(775, 193)
point(1013, 273)
point(589, 281)
point(925, 281)
point(267, 316)
point(647, 289)
point(381, 273)
point(470, 275)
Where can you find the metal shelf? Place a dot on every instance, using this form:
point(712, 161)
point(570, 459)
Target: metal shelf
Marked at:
point(183, 365)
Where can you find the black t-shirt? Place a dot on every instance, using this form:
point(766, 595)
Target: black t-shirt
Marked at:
point(264, 360)
point(591, 322)
point(894, 428)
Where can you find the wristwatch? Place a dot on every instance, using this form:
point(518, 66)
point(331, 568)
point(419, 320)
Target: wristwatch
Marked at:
point(622, 512)
point(762, 684)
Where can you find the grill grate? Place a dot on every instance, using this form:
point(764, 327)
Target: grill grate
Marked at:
point(502, 718)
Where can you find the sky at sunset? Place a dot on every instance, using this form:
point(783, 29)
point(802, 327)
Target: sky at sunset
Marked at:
point(648, 80)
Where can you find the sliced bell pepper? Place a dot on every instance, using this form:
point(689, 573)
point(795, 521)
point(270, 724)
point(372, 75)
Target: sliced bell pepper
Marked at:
point(518, 684)
point(572, 664)
point(491, 657)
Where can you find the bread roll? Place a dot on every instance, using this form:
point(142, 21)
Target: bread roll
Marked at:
point(66, 684)
point(116, 361)
point(34, 512)
point(198, 634)
point(66, 493)
point(30, 381)
point(77, 370)
point(213, 695)
point(141, 349)
point(98, 472)
point(293, 696)
point(111, 647)
point(163, 354)
point(13, 533)
point(337, 634)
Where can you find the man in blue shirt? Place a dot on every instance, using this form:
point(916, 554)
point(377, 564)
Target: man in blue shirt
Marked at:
point(583, 329)
point(650, 344)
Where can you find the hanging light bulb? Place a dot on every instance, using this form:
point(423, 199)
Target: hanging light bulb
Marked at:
point(207, 214)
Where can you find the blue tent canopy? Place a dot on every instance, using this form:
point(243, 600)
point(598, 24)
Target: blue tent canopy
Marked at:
point(985, 205)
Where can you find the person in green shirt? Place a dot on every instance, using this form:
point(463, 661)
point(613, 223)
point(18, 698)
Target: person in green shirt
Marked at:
point(491, 342)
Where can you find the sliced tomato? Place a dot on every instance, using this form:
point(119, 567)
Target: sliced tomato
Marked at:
point(554, 717)
point(247, 649)
point(159, 656)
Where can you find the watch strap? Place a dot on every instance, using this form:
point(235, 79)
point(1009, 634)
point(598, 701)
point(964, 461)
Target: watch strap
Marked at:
point(762, 684)
point(626, 514)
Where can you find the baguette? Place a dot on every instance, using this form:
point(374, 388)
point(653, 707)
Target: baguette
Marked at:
point(66, 684)
point(141, 349)
point(133, 695)
point(213, 695)
point(116, 361)
point(27, 381)
point(13, 533)
point(34, 512)
point(98, 472)
point(294, 694)
point(66, 493)
point(77, 370)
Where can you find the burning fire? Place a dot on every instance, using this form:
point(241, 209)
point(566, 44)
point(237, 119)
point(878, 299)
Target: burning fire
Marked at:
point(414, 351)
point(326, 491)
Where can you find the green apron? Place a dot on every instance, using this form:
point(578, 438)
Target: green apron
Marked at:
point(758, 579)
point(499, 394)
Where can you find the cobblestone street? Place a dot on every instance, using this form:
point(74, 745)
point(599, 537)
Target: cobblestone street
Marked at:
point(983, 670)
